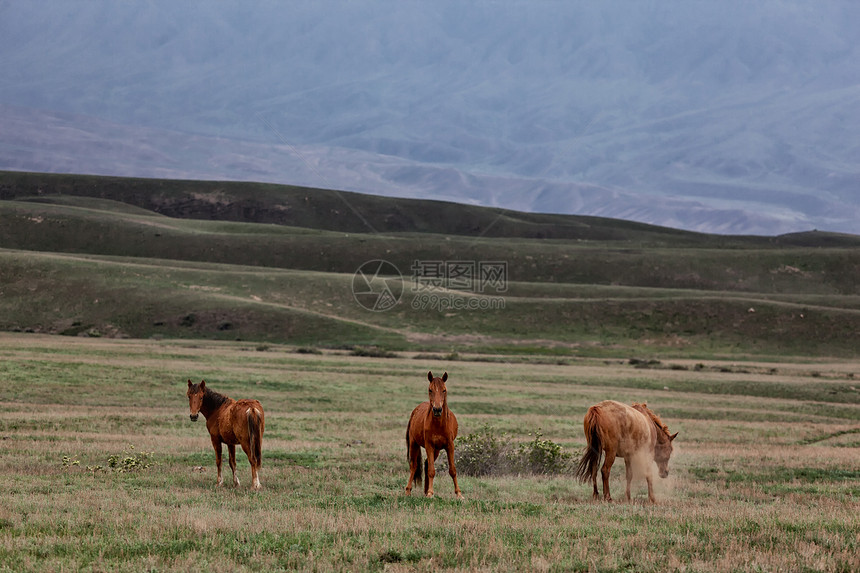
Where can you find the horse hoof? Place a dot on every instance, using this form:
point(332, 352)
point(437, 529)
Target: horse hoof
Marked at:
point(460, 497)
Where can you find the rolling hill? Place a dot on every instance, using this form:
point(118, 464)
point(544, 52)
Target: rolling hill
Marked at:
point(105, 256)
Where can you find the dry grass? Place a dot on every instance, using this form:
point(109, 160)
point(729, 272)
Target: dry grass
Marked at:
point(759, 482)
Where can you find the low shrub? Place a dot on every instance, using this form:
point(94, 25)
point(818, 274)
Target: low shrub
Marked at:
point(308, 350)
point(488, 453)
point(372, 352)
point(482, 453)
point(542, 456)
point(128, 461)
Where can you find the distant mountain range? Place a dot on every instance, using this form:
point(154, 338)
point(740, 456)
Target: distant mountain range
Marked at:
point(727, 117)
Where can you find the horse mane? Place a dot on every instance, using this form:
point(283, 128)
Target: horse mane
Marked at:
point(643, 407)
point(213, 400)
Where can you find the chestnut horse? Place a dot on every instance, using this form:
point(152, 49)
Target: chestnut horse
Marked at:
point(634, 433)
point(432, 426)
point(230, 422)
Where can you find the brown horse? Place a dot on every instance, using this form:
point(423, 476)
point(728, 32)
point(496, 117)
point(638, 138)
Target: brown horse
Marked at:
point(230, 422)
point(432, 426)
point(634, 433)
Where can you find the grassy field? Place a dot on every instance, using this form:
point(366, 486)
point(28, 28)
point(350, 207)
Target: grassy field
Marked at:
point(98, 295)
point(747, 346)
point(119, 257)
point(765, 475)
point(74, 270)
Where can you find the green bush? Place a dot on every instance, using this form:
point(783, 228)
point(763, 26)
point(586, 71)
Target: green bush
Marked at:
point(542, 456)
point(308, 350)
point(128, 461)
point(487, 453)
point(372, 352)
point(482, 453)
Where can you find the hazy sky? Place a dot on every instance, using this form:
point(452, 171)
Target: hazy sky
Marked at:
point(729, 116)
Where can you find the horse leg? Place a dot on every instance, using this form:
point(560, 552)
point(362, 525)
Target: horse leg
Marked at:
point(651, 497)
point(231, 448)
point(607, 467)
point(255, 467)
point(628, 471)
point(452, 471)
point(431, 470)
point(647, 464)
point(216, 443)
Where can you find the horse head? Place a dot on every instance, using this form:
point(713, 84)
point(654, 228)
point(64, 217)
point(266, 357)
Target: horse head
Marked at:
point(663, 447)
point(195, 398)
point(438, 393)
point(663, 450)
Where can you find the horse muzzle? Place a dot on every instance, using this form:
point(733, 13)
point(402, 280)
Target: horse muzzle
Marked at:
point(437, 412)
point(664, 474)
point(193, 417)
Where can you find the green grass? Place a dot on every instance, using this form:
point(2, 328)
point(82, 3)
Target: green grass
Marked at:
point(100, 257)
point(760, 479)
point(122, 296)
point(629, 260)
point(747, 346)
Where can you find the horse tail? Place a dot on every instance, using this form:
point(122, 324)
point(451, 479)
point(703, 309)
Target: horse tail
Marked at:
point(587, 468)
point(409, 451)
point(255, 437)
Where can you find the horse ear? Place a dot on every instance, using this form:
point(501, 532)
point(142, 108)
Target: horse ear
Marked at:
point(203, 384)
point(430, 375)
point(673, 436)
point(189, 382)
point(445, 377)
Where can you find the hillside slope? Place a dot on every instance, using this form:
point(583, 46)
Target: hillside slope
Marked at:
point(92, 264)
point(322, 208)
point(108, 296)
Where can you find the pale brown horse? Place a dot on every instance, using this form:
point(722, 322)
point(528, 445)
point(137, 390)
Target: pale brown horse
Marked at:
point(230, 422)
point(432, 426)
point(634, 433)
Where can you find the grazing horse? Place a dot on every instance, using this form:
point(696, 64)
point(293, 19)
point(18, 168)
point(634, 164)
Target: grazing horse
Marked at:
point(634, 433)
point(432, 426)
point(230, 422)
